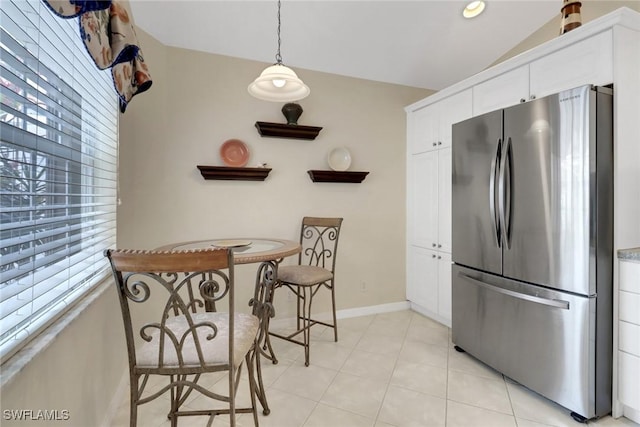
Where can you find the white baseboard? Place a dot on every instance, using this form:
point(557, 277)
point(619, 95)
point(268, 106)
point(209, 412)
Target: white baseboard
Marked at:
point(632, 414)
point(347, 313)
point(373, 309)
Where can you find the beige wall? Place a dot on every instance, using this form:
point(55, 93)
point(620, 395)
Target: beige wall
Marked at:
point(199, 100)
point(78, 372)
point(590, 10)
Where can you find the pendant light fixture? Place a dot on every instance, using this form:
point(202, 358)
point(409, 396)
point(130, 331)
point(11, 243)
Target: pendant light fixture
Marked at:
point(278, 83)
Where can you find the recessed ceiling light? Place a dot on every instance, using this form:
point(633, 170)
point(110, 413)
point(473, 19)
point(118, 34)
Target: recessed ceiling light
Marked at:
point(473, 9)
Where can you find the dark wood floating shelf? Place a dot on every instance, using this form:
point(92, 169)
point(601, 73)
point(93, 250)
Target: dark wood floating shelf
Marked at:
point(284, 130)
point(335, 176)
point(234, 174)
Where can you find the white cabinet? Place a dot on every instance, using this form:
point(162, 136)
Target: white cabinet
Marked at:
point(589, 61)
point(429, 170)
point(422, 199)
point(423, 130)
point(628, 351)
point(452, 110)
point(423, 289)
point(502, 91)
point(429, 273)
point(429, 203)
point(429, 128)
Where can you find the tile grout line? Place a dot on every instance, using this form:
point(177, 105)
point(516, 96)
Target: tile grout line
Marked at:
point(395, 365)
point(334, 378)
point(513, 411)
point(364, 332)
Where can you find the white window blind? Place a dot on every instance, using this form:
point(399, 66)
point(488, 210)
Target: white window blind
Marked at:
point(58, 128)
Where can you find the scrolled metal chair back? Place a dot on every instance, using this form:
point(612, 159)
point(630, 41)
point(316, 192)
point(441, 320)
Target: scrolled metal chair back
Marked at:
point(179, 285)
point(319, 240)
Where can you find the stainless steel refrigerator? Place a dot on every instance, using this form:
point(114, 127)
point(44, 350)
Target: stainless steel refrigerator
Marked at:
point(532, 245)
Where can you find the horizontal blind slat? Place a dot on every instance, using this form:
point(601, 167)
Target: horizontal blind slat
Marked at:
point(58, 167)
point(44, 244)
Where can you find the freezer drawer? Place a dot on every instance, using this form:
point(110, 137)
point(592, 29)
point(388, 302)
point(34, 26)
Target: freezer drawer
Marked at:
point(541, 338)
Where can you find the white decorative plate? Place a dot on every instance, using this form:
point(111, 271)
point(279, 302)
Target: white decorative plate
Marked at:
point(231, 243)
point(339, 159)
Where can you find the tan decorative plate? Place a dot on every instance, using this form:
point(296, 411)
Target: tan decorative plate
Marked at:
point(231, 243)
point(234, 153)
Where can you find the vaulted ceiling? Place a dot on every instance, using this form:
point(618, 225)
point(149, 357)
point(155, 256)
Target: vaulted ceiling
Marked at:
point(420, 43)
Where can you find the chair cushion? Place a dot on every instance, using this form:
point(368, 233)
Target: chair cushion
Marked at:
point(215, 351)
point(303, 275)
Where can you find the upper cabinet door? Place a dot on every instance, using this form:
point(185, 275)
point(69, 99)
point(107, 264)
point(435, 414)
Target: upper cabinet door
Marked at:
point(453, 109)
point(429, 128)
point(505, 90)
point(589, 61)
point(423, 128)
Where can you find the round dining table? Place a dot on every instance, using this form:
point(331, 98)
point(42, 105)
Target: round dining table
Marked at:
point(269, 253)
point(245, 250)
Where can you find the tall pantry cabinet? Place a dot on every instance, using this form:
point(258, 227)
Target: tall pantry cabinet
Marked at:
point(605, 51)
point(429, 204)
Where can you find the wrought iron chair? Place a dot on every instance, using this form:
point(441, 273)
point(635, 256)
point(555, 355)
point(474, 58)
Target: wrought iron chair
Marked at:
point(315, 270)
point(173, 329)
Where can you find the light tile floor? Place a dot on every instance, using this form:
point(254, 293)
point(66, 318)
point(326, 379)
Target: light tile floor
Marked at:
point(394, 369)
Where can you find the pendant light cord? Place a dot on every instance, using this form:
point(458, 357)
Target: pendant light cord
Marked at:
point(278, 56)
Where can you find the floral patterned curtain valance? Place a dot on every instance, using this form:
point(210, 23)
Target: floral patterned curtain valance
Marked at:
point(110, 39)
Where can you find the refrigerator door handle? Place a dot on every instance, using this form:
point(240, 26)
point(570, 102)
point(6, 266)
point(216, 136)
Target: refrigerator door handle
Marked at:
point(504, 192)
point(495, 221)
point(532, 298)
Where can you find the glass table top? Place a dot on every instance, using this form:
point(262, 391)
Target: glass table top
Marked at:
point(245, 250)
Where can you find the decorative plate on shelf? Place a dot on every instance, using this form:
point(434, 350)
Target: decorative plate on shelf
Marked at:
point(234, 153)
point(231, 243)
point(339, 159)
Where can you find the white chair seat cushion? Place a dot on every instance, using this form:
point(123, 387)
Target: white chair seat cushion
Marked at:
point(304, 275)
point(215, 351)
